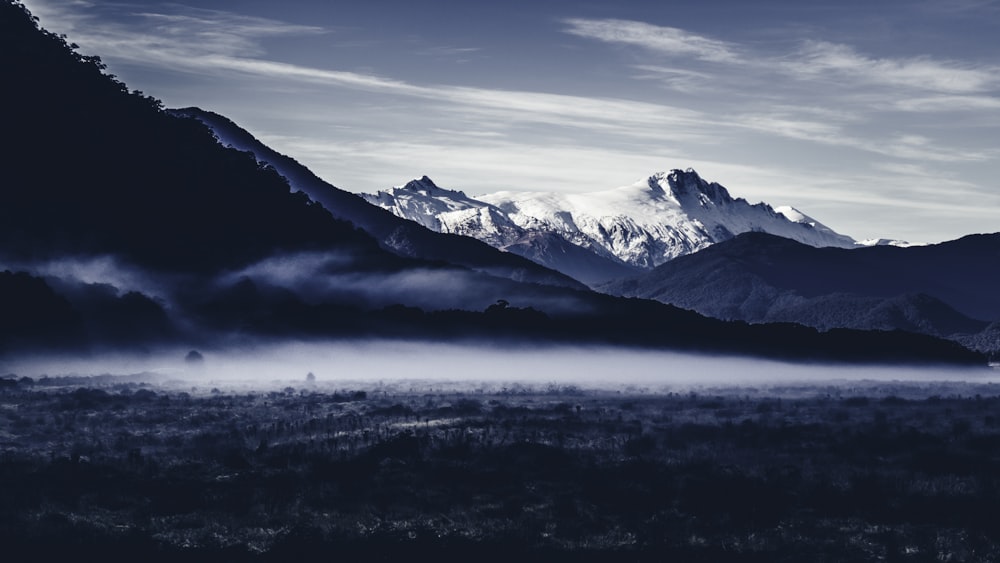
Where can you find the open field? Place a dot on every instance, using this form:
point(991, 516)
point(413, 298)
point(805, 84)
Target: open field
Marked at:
point(160, 467)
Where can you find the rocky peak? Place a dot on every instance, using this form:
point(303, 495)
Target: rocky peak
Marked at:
point(687, 183)
point(426, 186)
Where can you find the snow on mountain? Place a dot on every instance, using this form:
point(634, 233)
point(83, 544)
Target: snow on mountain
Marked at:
point(641, 225)
point(451, 211)
point(797, 216)
point(448, 211)
point(657, 219)
point(888, 242)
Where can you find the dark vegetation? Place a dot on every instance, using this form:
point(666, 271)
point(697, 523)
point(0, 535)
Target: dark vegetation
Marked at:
point(132, 467)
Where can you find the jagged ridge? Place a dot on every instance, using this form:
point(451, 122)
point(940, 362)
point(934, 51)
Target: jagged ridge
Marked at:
point(639, 226)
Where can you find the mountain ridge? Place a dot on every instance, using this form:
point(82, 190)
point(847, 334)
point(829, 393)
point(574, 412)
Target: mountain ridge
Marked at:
point(946, 289)
point(637, 227)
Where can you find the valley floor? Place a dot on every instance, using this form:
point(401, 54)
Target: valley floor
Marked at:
point(127, 467)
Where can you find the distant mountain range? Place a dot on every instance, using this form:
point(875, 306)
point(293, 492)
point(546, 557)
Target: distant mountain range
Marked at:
point(127, 226)
point(947, 289)
point(610, 233)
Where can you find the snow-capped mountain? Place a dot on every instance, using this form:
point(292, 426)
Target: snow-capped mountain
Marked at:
point(448, 211)
point(641, 225)
point(453, 212)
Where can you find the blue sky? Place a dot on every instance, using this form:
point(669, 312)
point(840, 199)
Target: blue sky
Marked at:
point(880, 121)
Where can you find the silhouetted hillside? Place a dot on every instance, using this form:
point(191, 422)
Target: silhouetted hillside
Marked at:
point(943, 289)
point(93, 169)
point(32, 315)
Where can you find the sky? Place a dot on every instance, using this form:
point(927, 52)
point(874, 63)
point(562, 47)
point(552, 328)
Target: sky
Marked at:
point(879, 119)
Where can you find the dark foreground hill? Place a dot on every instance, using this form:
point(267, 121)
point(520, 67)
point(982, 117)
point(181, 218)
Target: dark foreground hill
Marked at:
point(134, 227)
point(90, 168)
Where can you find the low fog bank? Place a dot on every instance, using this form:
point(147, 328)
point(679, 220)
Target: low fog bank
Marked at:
point(453, 366)
point(105, 303)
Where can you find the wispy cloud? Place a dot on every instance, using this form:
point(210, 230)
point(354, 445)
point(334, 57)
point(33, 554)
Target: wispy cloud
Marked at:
point(813, 60)
point(848, 91)
point(459, 54)
point(469, 133)
point(667, 40)
point(823, 59)
point(184, 29)
point(948, 103)
point(912, 147)
point(627, 117)
point(287, 71)
point(677, 79)
point(221, 31)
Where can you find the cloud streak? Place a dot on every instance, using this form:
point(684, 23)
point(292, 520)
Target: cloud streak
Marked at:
point(813, 60)
point(947, 103)
point(822, 59)
point(666, 40)
point(907, 147)
point(222, 31)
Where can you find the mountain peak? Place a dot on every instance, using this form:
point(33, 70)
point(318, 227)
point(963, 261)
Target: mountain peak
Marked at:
point(794, 215)
point(426, 186)
point(685, 184)
point(655, 183)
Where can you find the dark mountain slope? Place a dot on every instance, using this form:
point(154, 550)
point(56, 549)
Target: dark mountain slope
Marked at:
point(92, 168)
point(33, 315)
point(558, 253)
point(398, 235)
point(943, 289)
